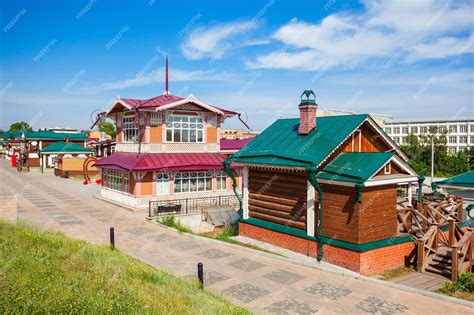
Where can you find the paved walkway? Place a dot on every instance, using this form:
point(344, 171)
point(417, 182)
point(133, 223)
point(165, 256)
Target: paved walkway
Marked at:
point(261, 282)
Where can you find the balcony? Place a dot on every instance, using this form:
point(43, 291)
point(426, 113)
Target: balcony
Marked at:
point(167, 147)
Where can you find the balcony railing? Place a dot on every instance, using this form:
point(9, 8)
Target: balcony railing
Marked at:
point(189, 205)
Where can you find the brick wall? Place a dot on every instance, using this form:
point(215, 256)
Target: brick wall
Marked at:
point(8, 208)
point(366, 263)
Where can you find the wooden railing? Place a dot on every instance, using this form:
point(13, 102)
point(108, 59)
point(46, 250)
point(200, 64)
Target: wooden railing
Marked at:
point(427, 245)
point(425, 223)
point(462, 250)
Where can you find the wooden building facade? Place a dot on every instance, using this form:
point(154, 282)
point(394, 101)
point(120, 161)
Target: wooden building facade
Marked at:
point(326, 188)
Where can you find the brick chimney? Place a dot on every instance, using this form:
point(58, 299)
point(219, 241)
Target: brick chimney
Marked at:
point(308, 109)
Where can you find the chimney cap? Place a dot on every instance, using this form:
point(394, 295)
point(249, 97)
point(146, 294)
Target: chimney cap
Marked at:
point(309, 100)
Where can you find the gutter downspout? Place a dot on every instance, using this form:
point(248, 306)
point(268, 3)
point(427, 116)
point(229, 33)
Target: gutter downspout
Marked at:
point(311, 172)
point(421, 179)
point(228, 171)
point(359, 187)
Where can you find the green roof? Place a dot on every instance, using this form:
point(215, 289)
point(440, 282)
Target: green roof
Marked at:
point(44, 135)
point(63, 147)
point(462, 180)
point(354, 166)
point(281, 144)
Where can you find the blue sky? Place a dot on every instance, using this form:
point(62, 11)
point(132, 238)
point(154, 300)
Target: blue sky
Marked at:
point(61, 60)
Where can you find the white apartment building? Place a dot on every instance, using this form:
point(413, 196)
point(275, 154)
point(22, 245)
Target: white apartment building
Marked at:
point(460, 130)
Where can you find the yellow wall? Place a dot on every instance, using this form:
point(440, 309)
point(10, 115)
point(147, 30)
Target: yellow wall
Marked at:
point(75, 164)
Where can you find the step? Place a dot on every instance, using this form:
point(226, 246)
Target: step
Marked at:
point(442, 273)
point(442, 267)
point(441, 260)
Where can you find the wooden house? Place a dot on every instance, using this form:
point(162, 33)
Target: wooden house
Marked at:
point(326, 187)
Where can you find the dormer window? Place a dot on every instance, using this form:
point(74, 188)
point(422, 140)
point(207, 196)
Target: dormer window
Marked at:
point(183, 128)
point(130, 130)
point(388, 169)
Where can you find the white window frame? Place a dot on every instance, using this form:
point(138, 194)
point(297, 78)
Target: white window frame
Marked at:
point(463, 129)
point(155, 119)
point(463, 139)
point(181, 124)
point(387, 170)
point(183, 182)
point(221, 180)
point(129, 130)
point(162, 184)
point(117, 180)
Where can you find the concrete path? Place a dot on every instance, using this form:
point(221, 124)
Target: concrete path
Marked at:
point(261, 282)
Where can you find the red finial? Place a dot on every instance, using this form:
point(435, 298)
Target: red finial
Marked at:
point(167, 91)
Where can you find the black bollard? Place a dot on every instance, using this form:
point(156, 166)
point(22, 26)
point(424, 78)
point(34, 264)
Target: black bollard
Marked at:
point(112, 238)
point(201, 275)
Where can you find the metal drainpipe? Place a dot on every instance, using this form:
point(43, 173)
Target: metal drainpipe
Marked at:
point(359, 187)
point(311, 172)
point(421, 179)
point(228, 171)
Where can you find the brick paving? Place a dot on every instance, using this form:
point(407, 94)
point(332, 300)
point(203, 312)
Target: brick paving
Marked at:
point(261, 282)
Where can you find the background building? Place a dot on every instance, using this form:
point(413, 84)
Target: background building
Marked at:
point(460, 130)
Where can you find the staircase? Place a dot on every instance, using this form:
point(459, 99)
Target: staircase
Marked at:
point(440, 263)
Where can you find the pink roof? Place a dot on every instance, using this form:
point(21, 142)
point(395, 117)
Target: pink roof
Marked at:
point(234, 144)
point(162, 161)
point(161, 100)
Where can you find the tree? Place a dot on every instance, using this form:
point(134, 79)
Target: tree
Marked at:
point(17, 126)
point(418, 150)
point(108, 128)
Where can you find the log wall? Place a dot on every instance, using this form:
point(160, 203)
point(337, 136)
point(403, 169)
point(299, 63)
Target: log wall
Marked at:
point(278, 197)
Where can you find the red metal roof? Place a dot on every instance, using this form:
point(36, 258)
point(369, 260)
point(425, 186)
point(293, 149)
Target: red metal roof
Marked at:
point(162, 161)
point(162, 100)
point(234, 144)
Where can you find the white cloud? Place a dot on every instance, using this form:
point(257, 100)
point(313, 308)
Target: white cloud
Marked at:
point(414, 30)
point(441, 48)
point(214, 41)
point(159, 76)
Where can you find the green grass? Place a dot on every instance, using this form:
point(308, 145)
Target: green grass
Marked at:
point(45, 272)
point(227, 232)
point(170, 221)
point(395, 273)
point(463, 288)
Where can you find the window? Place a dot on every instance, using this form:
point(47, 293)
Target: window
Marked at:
point(404, 139)
point(472, 140)
point(463, 139)
point(396, 130)
point(162, 184)
point(443, 129)
point(184, 129)
point(221, 180)
point(452, 139)
point(388, 130)
point(405, 130)
point(423, 129)
point(472, 128)
point(453, 129)
point(129, 129)
point(387, 169)
point(463, 128)
point(397, 140)
point(414, 130)
point(155, 119)
point(452, 150)
point(192, 181)
point(116, 180)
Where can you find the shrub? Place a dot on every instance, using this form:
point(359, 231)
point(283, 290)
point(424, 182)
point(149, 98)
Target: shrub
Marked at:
point(465, 283)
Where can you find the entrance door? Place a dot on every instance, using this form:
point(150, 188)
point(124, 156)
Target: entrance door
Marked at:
point(162, 184)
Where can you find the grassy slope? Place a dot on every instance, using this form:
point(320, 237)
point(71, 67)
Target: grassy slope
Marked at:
point(49, 272)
